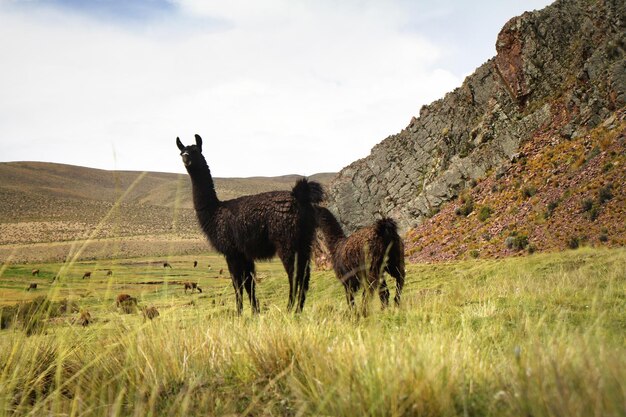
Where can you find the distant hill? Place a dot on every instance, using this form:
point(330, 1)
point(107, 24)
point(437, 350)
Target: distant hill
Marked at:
point(46, 208)
point(155, 188)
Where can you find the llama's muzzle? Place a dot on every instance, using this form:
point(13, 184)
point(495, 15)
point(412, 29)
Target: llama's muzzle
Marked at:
point(186, 159)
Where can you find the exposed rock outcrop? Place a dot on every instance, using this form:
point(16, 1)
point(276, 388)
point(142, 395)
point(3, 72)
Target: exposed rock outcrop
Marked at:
point(562, 67)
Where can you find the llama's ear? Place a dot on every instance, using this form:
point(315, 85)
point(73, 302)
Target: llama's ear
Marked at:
point(199, 142)
point(179, 144)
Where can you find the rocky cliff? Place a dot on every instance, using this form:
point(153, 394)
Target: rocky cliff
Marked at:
point(559, 73)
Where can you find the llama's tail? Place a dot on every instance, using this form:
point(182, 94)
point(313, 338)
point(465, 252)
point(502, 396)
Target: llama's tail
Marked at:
point(388, 228)
point(308, 192)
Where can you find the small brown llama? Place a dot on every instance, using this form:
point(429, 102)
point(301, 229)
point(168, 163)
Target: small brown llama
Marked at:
point(191, 286)
point(363, 257)
point(109, 272)
point(150, 312)
point(32, 286)
point(87, 274)
point(35, 272)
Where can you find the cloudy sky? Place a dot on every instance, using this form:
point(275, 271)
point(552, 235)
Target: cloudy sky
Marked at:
point(274, 87)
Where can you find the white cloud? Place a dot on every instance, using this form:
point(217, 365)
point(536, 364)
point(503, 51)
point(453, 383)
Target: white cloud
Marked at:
point(275, 87)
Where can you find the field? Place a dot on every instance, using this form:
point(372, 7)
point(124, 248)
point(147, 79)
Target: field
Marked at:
point(542, 335)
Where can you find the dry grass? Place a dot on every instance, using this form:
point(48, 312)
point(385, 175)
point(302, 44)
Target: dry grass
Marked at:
point(541, 336)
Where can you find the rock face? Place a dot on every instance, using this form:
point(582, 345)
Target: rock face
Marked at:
point(571, 52)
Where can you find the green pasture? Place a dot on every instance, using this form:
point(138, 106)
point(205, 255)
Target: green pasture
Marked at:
point(543, 335)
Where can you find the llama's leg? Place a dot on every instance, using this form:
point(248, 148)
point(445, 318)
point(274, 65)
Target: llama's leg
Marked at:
point(237, 273)
point(383, 293)
point(250, 286)
point(398, 274)
point(370, 284)
point(289, 264)
point(303, 276)
point(349, 293)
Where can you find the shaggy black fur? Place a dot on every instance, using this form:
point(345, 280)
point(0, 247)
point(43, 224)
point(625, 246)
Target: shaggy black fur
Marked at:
point(365, 256)
point(255, 227)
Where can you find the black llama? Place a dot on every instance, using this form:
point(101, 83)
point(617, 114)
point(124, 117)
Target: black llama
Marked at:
point(364, 257)
point(255, 227)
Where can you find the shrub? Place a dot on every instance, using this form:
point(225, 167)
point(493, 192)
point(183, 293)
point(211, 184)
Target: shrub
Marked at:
point(467, 206)
point(605, 194)
point(604, 235)
point(529, 191)
point(573, 242)
point(484, 213)
point(516, 241)
point(474, 253)
point(552, 205)
point(532, 249)
point(594, 213)
point(433, 212)
point(594, 152)
point(586, 204)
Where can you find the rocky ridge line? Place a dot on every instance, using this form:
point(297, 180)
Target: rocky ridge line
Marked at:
point(571, 52)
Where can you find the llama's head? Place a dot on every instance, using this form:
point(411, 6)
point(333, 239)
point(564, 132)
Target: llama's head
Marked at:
point(191, 154)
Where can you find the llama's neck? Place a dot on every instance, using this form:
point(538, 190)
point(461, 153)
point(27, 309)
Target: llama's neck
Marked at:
point(204, 196)
point(331, 229)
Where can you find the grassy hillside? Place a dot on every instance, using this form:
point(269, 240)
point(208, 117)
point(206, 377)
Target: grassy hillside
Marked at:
point(540, 335)
point(46, 210)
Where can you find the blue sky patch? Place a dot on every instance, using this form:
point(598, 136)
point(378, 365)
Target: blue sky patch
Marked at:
point(121, 10)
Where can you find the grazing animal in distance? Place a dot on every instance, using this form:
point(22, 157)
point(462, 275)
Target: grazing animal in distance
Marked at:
point(125, 299)
point(221, 271)
point(364, 257)
point(195, 264)
point(150, 312)
point(87, 274)
point(84, 318)
point(32, 286)
point(256, 227)
point(109, 273)
point(35, 272)
point(191, 286)
point(167, 265)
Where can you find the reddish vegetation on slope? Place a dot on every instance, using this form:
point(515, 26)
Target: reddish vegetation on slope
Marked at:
point(558, 194)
